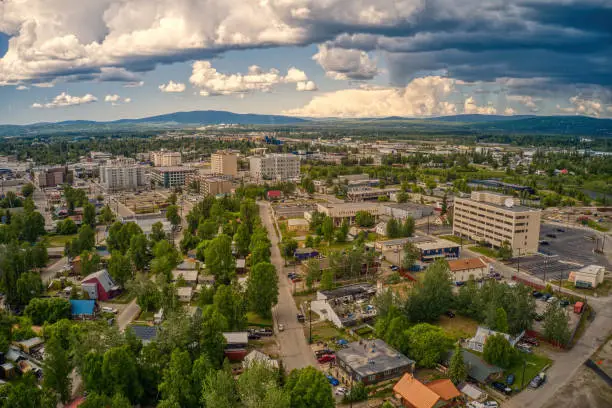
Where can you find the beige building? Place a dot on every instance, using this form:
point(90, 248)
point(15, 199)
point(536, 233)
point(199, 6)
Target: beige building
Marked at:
point(297, 224)
point(588, 277)
point(209, 185)
point(348, 211)
point(275, 166)
point(224, 163)
point(463, 269)
point(496, 218)
point(164, 158)
point(123, 174)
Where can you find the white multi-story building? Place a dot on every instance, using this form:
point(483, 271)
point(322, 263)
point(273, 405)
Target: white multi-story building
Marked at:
point(275, 166)
point(169, 177)
point(123, 174)
point(496, 218)
point(224, 163)
point(164, 158)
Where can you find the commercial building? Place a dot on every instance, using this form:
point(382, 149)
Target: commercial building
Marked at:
point(588, 277)
point(224, 163)
point(169, 177)
point(496, 218)
point(404, 210)
point(52, 177)
point(123, 174)
point(275, 166)
point(348, 211)
point(463, 269)
point(369, 193)
point(164, 158)
point(370, 362)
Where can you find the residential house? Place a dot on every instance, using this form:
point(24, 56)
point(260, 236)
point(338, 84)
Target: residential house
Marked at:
point(463, 269)
point(82, 309)
point(240, 265)
point(371, 362)
point(145, 334)
point(478, 369)
point(412, 393)
point(297, 224)
point(185, 294)
point(189, 277)
point(236, 344)
point(477, 342)
point(99, 285)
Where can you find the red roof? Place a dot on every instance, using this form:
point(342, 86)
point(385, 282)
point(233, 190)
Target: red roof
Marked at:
point(274, 193)
point(76, 402)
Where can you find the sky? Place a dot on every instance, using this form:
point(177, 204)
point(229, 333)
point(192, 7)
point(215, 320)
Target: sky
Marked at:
point(112, 59)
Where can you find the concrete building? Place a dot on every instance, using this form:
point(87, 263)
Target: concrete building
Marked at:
point(432, 250)
point(404, 210)
point(496, 218)
point(52, 177)
point(348, 211)
point(164, 158)
point(370, 362)
point(224, 163)
point(208, 185)
point(123, 174)
point(370, 193)
point(588, 277)
point(275, 166)
point(169, 177)
point(463, 269)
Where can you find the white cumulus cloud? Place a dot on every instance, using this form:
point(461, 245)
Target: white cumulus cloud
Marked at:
point(212, 82)
point(172, 87)
point(115, 99)
point(341, 63)
point(529, 102)
point(64, 100)
point(470, 107)
point(585, 106)
point(426, 96)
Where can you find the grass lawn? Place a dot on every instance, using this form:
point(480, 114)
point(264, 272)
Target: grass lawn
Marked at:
point(146, 316)
point(125, 297)
point(326, 332)
point(456, 240)
point(602, 227)
point(60, 240)
point(256, 320)
point(603, 289)
point(458, 327)
point(486, 251)
point(534, 365)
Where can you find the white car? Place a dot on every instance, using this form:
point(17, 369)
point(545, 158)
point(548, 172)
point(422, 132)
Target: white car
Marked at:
point(281, 327)
point(491, 404)
point(109, 309)
point(341, 391)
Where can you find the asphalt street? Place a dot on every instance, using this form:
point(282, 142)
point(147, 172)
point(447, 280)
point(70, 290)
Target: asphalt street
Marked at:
point(294, 350)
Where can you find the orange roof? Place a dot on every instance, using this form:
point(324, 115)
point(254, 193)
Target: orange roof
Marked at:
point(445, 389)
point(415, 392)
point(466, 264)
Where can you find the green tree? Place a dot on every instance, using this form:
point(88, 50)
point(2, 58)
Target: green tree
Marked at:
point(120, 268)
point(505, 251)
point(231, 304)
point(29, 286)
point(219, 259)
point(120, 374)
point(56, 369)
point(427, 344)
point(555, 325)
point(27, 190)
point(207, 229)
point(139, 251)
point(106, 215)
point(48, 310)
point(258, 388)
point(433, 296)
point(288, 247)
point(364, 219)
point(148, 296)
point(498, 351)
point(342, 232)
point(501, 320)
point(308, 388)
point(457, 370)
point(407, 228)
point(393, 229)
point(358, 392)
point(260, 252)
point(89, 215)
point(410, 256)
point(242, 238)
point(86, 238)
point(327, 228)
point(313, 272)
point(66, 227)
point(220, 390)
point(262, 290)
point(327, 280)
point(157, 232)
point(26, 394)
point(176, 383)
point(90, 262)
point(172, 215)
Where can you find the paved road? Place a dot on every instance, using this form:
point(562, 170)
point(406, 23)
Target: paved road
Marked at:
point(49, 273)
point(129, 313)
point(294, 349)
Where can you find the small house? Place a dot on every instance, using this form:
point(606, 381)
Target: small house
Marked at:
point(7, 371)
point(588, 277)
point(256, 356)
point(302, 254)
point(190, 277)
point(30, 345)
point(478, 369)
point(185, 294)
point(274, 195)
point(145, 334)
point(297, 224)
point(477, 342)
point(463, 269)
point(413, 393)
point(236, 344)
point(82, 309)
point(240, 265)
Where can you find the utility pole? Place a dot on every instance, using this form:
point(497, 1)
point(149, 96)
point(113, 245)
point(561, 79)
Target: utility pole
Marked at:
point(310, 322)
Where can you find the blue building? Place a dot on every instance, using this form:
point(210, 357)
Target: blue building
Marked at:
point(83, 309)
point(431, 250)
point(302, 254)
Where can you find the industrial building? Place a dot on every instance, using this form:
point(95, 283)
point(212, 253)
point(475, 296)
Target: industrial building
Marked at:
point(275, 166)
point(123, 174)
point(496, 218)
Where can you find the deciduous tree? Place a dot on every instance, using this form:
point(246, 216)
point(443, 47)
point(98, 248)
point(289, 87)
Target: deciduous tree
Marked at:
point(457, 371)
point(262, 288)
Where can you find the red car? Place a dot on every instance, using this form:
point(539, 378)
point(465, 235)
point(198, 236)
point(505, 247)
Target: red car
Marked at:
point(326, 358)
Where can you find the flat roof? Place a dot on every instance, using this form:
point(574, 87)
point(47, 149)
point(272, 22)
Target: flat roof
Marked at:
point(190, 275)
point(590, 270)
point(297, 221)
point(407, 206)
point(348, 290)
point(514, 208)
point(372, 357)
point(438, 244)
point(236, 337)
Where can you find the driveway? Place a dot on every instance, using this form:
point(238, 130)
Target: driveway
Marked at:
point(129, 313)
point(295, 351)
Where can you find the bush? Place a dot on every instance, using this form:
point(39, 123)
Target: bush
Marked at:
point(48, 310)
point(357, 393)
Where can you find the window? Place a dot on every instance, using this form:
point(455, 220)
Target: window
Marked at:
point(371, 378)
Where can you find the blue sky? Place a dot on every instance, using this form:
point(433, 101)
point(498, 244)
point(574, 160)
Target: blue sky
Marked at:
point(105, 60)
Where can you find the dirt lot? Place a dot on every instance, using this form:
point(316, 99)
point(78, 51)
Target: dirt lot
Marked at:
point(573, 318)
point(586, 389)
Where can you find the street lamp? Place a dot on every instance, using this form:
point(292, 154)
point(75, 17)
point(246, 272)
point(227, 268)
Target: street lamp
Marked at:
point(523, 376)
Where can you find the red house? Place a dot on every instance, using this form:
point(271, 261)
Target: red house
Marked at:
point(99, 285)
point(273, 195)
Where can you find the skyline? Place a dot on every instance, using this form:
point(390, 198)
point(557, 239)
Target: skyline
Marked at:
point(311, 58)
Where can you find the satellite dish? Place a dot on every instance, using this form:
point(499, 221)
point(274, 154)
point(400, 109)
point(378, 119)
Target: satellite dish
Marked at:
point(509, 202)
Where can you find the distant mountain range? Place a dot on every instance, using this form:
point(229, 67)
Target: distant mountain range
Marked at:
point(519, 124)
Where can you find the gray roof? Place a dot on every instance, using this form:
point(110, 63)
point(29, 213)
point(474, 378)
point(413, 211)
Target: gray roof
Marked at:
point(478, 369)
point(372, 357)
point(145, 333)
point(236, 337)
point(348, 290)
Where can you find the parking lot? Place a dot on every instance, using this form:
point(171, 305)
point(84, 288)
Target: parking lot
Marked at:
point(563, 250)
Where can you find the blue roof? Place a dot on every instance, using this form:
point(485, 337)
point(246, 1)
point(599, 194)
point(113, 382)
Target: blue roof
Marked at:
point(82, 307)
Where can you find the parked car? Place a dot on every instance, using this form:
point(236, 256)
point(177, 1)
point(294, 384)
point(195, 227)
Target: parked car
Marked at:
point(394, 268)
point(326, 358)
point(531, 340)
point(537, 381)
point(253, 336)
point(524, 348)
point(552, 299)
point(333, 381)
point(323, 352)
point(281, 327)
point(491, 404)
point(536, 294)
point(341, 391)
point(510, 379)
point(501, 387)
point(109, 309)
point(564, 302)
point(459, 283)
point(551, 235)
point(449, 313)
point(301, 318)
point(544, 243)
point(560, 230)
point(545, 297)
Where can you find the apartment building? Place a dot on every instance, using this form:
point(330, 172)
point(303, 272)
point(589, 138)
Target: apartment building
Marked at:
point(164, 158)
point(275, 166)
point(224, 163)
point(170, 177)
point(52, 177)
point(122, 174)
point(208, 185)
point(496, 218)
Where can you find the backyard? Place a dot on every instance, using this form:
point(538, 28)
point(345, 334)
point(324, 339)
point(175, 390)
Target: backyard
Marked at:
point(533, 365)
point(59, 240)
point(459, 327)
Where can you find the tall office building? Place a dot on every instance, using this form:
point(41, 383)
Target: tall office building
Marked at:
point(275, 166)
point(496, 218)
point(122, 174)
point(224, 163)
point(164, 158)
